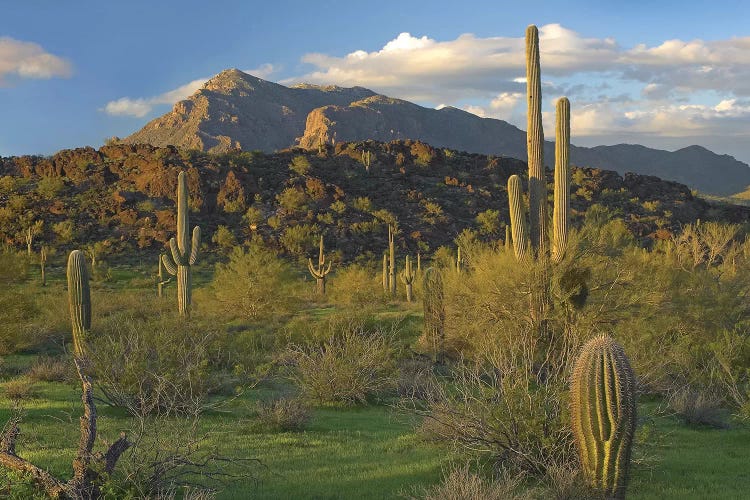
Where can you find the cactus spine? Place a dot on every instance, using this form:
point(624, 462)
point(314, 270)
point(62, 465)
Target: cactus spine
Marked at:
point(392, 262)
point(434, 312)
point(561, 211)
point(79, 300)
point(535, 145)
point(184, 250)
point(519, 231)
point(603, 414)
point(407, 276)
point(321, 271)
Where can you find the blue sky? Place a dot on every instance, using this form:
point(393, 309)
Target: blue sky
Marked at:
point(665, 74)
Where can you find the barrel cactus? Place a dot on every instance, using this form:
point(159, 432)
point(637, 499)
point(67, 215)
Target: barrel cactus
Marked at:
point(79, 300)
point(184, 250)
point(603, 414)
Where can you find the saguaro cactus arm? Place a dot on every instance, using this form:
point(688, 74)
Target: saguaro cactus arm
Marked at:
point(520, 235)
point(561, 211)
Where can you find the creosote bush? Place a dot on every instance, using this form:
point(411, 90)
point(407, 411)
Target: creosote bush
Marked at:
point(352, 366)
point(285, 414)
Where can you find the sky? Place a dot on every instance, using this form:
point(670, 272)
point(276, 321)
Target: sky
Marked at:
point(665, 74)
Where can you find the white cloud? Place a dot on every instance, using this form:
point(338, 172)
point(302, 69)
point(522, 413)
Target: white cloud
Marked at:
point(30, 60)
point(140, 107)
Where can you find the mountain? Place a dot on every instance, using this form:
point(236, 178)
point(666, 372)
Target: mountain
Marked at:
point(235, 110)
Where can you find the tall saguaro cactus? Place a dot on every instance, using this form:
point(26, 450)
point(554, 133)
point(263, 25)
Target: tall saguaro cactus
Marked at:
point(392, 262)
point(43, 264)
point(603, 414)
point(79, 300)
point(184, 250)
point(321, 271)
point(535, 145)
point(561, 211)
point(434, 312)
point(161, 281)
point(407, 276)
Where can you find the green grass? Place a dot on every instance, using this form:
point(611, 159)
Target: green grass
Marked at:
point(372, 452)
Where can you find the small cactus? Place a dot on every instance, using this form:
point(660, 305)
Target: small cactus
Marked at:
point(603, 414)
point(43, 264)
point(366, 160)
point(434, 312)
point(392, 262)
point(321, 271)
point(508, 241)
point(184, 250)
point(79, 300)
point(459, 261)
point(407, 276)
point(161, 281)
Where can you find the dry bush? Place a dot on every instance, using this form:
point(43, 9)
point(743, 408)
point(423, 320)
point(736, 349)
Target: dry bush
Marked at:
point(698, 407)
point(49, 369)
point(460, 483)
point(285, 414)
point(355, 285)
point(349, 367)
point(20, 388)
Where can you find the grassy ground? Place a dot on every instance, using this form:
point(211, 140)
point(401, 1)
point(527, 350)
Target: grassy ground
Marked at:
point(374, 453)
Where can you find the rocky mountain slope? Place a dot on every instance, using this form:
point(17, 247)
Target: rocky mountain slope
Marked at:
point(235, 110)
point(124, 195)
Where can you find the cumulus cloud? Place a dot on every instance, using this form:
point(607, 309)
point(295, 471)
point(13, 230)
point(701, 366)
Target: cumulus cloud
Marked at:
point(140, 107)
point(29, 60)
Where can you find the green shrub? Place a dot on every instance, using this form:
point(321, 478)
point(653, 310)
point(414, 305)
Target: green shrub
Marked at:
point(254, 284)
point(350, 367)
point(355, 285)
point(20, 388)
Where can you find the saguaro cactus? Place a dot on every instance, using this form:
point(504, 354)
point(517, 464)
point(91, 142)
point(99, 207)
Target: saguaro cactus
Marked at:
point(43, 264)
point(520, 235)
point(459, 261)
point(407, 276)
point(321, 271)
point(385, 273)
point(603, 414)
point(535, 145)
point(508, 239)
point(392, 261)
point(79, 300)
point(561, 211)
point(184, 250)
point(434, 312)
point(366, 160)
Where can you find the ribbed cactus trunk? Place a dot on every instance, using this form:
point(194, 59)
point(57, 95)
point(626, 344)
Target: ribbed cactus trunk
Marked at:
point(79, 300)
point(385, 273)
point(407, 276)
point(434, 312)
point(392, 262)
point(603, 414)
point(184, 249)
point(184, 295)
point(520, 235)
point(535, 146)
point(561, 211)
point(43, 265)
